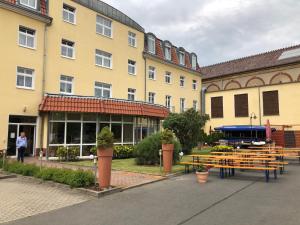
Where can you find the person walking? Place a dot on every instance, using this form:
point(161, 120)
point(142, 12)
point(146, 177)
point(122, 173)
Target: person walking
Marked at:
point(21, 146)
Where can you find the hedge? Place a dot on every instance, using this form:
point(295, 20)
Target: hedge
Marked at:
point(74, 178)
point(120, 151)
point(147, 151)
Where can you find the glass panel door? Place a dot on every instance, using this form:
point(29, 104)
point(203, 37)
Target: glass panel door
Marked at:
point(12, 138)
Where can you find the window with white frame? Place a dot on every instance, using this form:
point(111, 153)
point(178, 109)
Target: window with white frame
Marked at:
point(131, 94)
point(103, 59)
point(152, 73)
point(131, 67)
point(102, 90)
point(168, 77)
point(194, 61)
point(131, 39)
point(151, 44)
point(26, 37)
point(181, 82)
point(104, 26)
point(69, 14)
point(151, 97)
point(67, 49)
point(168, 52)
point(181, 58)
point(194, 85)
point(66, 84)
point(195, 104)
point(25, 78)
point(168, 101)
point(182, 104)
point(29, 3)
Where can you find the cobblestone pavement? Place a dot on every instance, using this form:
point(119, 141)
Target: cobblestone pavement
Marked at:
point(23, 197)
point(118, 179)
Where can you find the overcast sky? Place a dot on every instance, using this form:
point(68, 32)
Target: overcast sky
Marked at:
point(218, 30)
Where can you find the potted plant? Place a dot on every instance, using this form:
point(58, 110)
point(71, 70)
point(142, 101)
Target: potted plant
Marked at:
point(105, 143)
point(202, 174)
point(167, 139)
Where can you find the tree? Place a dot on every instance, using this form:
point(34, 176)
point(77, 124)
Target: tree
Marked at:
point(187, 127)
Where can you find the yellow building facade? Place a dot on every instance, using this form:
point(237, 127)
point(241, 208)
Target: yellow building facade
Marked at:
point(71, 67)
point(252, 90)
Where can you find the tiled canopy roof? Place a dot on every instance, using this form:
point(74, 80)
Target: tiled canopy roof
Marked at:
point(159, 53)
point(63, 103)
point(250, 63)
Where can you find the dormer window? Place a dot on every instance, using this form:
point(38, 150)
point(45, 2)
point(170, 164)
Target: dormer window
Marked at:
point(194, 61)
point(151, 44)
point(168, 52)
point(181, 58)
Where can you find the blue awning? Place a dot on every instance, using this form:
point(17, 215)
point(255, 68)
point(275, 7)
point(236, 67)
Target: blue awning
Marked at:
point(242, 128)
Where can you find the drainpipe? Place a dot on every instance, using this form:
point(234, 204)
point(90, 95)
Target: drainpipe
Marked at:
point(145, 82)
point(203, 91)
point(43, 84)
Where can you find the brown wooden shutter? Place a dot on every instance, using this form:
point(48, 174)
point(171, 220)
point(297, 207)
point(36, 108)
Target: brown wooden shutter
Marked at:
point(217, 107)
point(241, 105)
point(270, 103)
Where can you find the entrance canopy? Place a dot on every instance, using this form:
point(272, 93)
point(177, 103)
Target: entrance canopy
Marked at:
point(242, 128)
point(82, 104)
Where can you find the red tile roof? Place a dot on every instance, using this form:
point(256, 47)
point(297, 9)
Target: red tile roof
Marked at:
point(250, 63)
point(159, 53)
point(62, 103)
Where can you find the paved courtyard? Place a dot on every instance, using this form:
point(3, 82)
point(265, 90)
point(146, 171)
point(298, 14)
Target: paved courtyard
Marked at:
point(244, 200)
point(118, 178)
point(22, 197)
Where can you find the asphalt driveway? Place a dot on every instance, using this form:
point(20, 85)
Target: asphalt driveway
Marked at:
point(243, 200)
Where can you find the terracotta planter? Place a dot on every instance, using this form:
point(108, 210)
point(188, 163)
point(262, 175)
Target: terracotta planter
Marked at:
point(202, 177)
point(104, 167)
point(167, 150)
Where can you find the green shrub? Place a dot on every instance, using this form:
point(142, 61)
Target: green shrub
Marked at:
point(74, 178)
point(61, 153)
point(105, 139)
point(222, 148)
point(120, 151)
point(212, 138)
point(68, 153)
point(167, 136)
point(147, 151)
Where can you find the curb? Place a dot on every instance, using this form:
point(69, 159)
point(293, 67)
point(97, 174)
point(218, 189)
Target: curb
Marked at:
point(99, 194)
point(2, 177)
point(142, 184)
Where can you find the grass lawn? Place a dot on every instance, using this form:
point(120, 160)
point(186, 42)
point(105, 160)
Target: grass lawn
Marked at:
point(130, 166)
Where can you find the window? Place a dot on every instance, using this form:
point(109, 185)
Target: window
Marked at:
point(131, 94)
point(131, 67)
point(66, 84)
point(168, 101)
point(194, 61)
point(217, 107)
point(26, 37)
point(181, 82)
point(168, 52)
point(67, 49)
point(132, 39)
point(195, 105)
point(69, 14)
point(25, 78)
point(182, 104)
point(168, 77)
point(151, 44)
point(194, 85)
point(102, 90)
point(181, 58)
point(104, 26)
point(151, 97)
point(152, 73)
point(241, 105)
point(29, 3)
point(103, 59)
point(270, 103)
